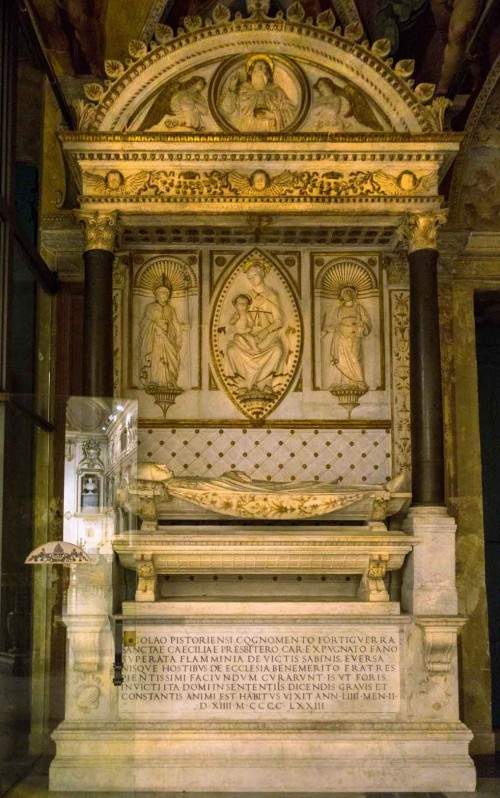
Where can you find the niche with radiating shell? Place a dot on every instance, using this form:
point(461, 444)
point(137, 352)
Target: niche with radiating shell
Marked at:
point(346, 329)
point(164, 308)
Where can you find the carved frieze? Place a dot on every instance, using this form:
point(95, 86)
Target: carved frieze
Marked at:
point(197, 184)
point(256, 335)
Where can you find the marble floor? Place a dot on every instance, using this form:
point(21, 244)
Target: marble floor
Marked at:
point(34, 785)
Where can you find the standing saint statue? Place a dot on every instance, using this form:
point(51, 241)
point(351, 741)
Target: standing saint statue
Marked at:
point(160, 339)
point(253, 102)
point(350, 324)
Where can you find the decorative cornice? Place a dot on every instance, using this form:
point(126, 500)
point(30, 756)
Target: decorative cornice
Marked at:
point(270, 138)
point(99, 228)
point(420, 230)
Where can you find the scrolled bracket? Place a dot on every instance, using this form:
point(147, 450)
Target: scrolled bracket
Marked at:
point(440, 639)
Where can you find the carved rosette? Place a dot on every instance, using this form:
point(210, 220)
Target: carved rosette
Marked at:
point(421, 229)
point(99, 229)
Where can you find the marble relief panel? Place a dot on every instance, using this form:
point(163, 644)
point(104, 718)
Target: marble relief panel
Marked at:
point(258, 92)
point(164, 328)
point(252, 333)
point(256, 335)
point(348, 335)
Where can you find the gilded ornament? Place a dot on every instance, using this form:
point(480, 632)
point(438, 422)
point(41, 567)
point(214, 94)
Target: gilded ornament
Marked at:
point(94, 91)
point(85, 114)
point(354, 32)
point(137, 49)
point(192, 23)
point(405, 68)
point(113, 69)
point(99, 228)
point(295, 12)
point(421, 229)
point(438, 110)
point(115, 184)
point(258, 9)
point(221, 14)
point(163, 33)
point(425, 91)
point(381, 48)
point(326, 20)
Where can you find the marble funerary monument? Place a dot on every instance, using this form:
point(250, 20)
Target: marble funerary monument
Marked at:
point(270, 603)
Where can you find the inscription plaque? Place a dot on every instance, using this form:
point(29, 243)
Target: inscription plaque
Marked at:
point(273, 673)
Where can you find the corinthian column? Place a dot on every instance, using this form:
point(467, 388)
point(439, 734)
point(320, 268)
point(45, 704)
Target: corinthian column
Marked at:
point(425, 360)
point(100, 234)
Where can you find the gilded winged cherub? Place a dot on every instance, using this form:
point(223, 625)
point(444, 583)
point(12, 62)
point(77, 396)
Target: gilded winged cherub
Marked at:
point(252, 101)
point(405, 184)
point(179, 104)
point(260, 183)
point(343, 108)
point(114, 184)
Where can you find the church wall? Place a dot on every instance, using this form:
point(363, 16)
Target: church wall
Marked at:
point(464, 488)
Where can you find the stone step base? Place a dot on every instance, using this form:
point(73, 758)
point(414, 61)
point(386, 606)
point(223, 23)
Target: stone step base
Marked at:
point(365, 759)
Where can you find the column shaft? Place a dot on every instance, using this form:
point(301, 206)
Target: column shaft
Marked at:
point(425, 380)
point(98, 323)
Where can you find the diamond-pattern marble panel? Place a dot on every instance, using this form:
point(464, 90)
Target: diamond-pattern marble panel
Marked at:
point(280, 454)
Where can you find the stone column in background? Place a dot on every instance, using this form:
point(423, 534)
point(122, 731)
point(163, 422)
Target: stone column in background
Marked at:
point(425, 361)
point(429, 579)
point(100, 235)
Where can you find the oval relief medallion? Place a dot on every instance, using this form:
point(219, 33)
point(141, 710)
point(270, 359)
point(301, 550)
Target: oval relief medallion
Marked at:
point(256, 336)
point(259, 93)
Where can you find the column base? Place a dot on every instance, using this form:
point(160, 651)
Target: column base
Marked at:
point(429, 573)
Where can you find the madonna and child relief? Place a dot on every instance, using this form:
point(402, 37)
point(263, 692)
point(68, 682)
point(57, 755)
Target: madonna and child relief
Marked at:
point(256, 336)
